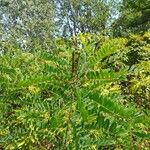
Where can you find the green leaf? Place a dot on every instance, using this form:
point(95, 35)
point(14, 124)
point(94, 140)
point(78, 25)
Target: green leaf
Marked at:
point(81, 106)
point(142, 135)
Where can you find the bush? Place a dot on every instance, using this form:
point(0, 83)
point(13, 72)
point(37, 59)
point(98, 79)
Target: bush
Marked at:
point(67, 100)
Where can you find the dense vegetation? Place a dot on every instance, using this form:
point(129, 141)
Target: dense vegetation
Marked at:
point(74, 84)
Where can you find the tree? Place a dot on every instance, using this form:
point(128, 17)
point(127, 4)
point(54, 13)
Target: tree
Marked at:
point(42, 106)
point(27, 22)
point(134, 17)
point(75, 16)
